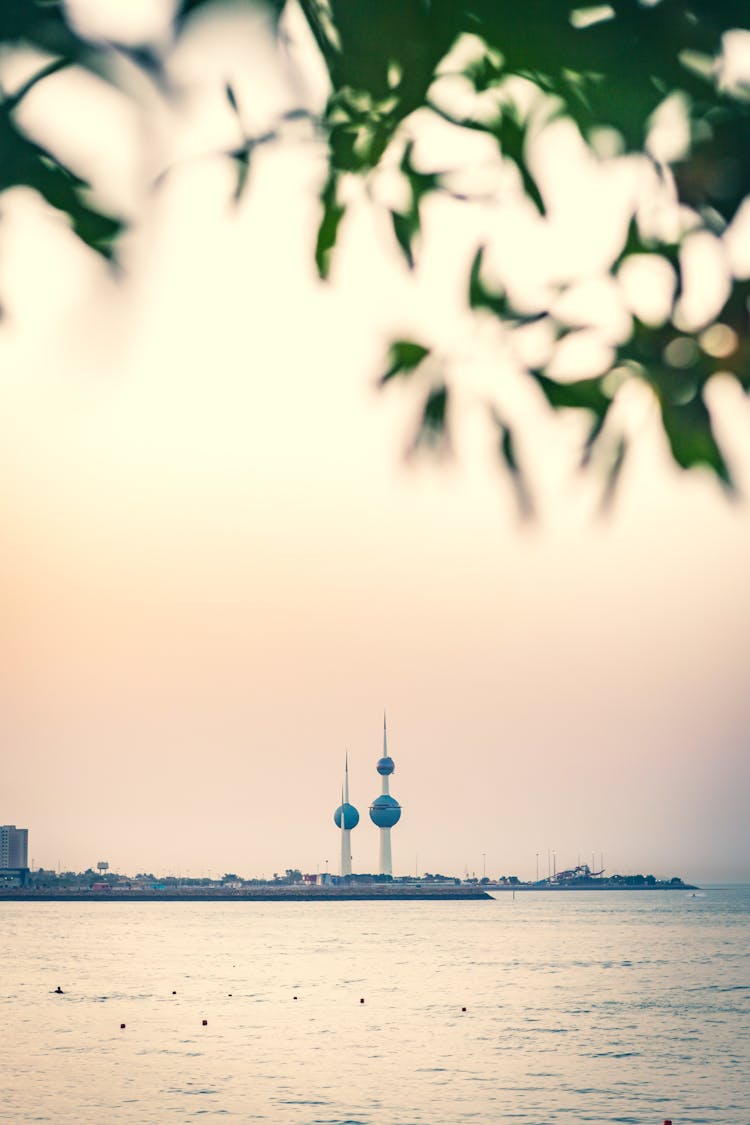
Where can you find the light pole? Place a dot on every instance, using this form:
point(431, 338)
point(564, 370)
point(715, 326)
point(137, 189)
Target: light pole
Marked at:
point(484, 865)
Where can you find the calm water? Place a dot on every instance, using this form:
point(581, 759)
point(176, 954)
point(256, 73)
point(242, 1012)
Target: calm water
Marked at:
point(580, 1008)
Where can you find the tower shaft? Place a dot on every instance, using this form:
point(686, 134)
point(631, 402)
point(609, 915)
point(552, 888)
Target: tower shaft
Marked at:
point(386, 863)
point(346, 851)
point(346, 842)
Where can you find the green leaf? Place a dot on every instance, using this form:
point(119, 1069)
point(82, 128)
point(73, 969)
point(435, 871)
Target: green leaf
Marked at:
point(614, 476)
point(231, 98)
point(241, 157)
point(432, 430)
point(584, 394)
point(507, 450)
point(511, 136)
point(484, 73)
point(420, 183)
point(406, 227)
point(404, 356)
point(25, 163)
point(480, 296)
point(691, 438)
point(345, 156)
point(333, 213)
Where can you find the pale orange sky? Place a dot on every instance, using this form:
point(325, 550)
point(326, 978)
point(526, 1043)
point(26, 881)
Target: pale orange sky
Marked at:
point(218, 570)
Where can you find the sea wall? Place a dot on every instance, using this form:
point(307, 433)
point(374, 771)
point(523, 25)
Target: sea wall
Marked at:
point(253, 894)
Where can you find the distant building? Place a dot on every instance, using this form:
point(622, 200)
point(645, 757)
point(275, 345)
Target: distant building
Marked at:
point(14, 847)
point(320, 879)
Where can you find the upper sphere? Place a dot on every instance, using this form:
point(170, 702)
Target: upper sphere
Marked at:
point(348, 813)
point(385, 766)
point(385, 811)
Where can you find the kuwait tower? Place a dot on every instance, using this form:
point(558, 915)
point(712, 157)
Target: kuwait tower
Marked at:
point(346, 817)
point(385, 811)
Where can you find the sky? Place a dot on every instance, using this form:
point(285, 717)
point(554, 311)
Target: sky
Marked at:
point(220, 568)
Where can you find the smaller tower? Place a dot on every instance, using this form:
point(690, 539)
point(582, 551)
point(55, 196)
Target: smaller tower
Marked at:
point(385, 810)
point(345, 818)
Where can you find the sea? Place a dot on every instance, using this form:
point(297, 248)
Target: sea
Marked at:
point(542, 1007)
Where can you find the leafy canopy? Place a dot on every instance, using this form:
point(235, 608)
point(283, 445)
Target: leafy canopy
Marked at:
point(504, 73)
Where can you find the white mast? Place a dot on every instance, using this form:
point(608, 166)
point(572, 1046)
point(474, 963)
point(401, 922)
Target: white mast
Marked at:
point(346, 832)
point(386, 784)
point(346, 836)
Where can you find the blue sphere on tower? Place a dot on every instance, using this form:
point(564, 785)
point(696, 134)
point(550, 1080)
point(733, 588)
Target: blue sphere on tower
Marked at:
point(385, 811)
point(348, 814)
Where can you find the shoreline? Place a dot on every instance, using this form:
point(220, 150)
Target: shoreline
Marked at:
point(287, 894)
point(389, 893)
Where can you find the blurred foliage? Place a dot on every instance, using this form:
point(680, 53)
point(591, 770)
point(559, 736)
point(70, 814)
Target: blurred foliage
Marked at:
point(603, 67)
point(41, 27)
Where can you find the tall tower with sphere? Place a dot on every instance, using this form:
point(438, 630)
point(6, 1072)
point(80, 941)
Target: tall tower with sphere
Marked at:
point(385, 811)
point(345, 818)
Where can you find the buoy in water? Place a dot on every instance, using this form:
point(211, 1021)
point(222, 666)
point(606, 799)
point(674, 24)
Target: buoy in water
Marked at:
point(205, 1023)
point(463, 1009)
point(122, 1027)
point(362, 1000)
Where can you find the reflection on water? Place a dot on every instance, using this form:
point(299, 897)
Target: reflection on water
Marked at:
point(621, 1007)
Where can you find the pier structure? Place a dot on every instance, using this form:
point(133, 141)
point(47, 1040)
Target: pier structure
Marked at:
point(345, 818)
point(385, 810)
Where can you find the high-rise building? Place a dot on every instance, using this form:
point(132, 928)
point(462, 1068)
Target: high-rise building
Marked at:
point(346, 817)
point(385, 810)
point(14, 846)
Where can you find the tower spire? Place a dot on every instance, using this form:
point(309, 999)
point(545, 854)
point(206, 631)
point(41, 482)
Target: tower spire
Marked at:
point(385, 737)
